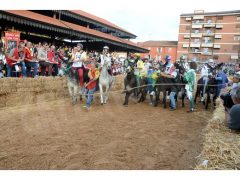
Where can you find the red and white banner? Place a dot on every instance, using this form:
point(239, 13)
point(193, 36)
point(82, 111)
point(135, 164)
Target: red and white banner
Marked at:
point(12, 40)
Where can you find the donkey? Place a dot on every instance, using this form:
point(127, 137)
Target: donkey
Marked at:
point(73, 80)
point(105, 79)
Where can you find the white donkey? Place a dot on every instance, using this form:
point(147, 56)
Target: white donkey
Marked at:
point(106, 80)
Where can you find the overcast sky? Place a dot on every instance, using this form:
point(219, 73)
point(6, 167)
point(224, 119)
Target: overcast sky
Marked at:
point(148, 19)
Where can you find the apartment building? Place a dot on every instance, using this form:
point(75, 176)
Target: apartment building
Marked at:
point(210, 35)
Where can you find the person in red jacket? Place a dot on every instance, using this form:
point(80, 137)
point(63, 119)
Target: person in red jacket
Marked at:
point(16, 57)
point(93, 75)
point(53, 60)
point(30, 60)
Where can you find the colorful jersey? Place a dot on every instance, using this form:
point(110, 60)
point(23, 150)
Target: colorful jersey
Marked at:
point(93, 74)
point(168, 68)
point(28, 53)
point(190, 77)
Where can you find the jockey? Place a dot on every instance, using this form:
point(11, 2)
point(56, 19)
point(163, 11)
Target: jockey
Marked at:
point(172, 74)
point(190, 78)
point(222, 81)
point(139, 70)
point(130, 61)
point(105, 56)
point(151, 74)
point(79, 56)
point(168, 64)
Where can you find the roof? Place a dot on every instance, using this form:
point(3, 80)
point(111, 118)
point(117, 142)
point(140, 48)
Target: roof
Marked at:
point(98, 19)
point(157, 43)
point(63, 24)
point(214, 13)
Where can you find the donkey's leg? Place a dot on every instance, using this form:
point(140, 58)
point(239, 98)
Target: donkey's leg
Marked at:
point(183, 96)
point(106, 94)
point(126, 98)
point(164, 99)
point(208, 100)
point(75, 91)
point(101, 93)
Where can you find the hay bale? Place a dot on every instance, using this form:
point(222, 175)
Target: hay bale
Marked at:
point(221, 145)
point(18, 91)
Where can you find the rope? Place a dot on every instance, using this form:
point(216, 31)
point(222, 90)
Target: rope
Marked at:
point(162, 84)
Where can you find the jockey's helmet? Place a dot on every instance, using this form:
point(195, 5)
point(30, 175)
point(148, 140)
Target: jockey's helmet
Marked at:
point(105, 47)
point(79, 44)
point(137, 55)
point(167, 58)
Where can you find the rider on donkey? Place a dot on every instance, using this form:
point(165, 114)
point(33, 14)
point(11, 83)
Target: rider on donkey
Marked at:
point(105, 56)
point(140, 70)
point(79, 56)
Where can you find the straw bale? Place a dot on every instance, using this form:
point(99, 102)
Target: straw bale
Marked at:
point(221, 145)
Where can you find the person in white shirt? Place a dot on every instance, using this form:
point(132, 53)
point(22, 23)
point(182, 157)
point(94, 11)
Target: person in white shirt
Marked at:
point(78, 57)
point(106, 57)
point(204, 75)
point(172, 74)
point(146, 65)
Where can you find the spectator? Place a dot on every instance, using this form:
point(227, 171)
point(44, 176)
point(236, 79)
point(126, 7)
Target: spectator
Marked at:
point(53, 60)
point(43, 59)
point(234, 113)
point(15, 58)
point(30, 60)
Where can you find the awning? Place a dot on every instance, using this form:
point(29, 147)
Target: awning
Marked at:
point(48, 23)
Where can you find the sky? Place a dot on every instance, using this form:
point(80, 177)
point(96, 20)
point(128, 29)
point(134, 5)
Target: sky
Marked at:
point(148, 19)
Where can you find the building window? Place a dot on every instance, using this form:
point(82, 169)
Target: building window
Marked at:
point(220, 18)
point(187, 27)
point(237, 38)
point(159, 50)
point(235, 47)
point(169, 50)
point(196, 31)
point(209, 21)
point(237, 25)
point(238, 18)
point(215, 57)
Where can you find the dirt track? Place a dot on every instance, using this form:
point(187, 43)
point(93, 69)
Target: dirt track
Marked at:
point(57, 135)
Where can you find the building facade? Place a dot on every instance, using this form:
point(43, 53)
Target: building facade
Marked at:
point(211, 35)
point(159, 49)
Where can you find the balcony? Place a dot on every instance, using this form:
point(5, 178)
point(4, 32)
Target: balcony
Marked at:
point(195, 52)
point(218, 36)
point(195, 45)
point(185, 45)
point(207, 45)
point(197, 26)
point(217, 46)
point(209, 25)
point(234, 57)
point(207, 53)
point(187, 36)
point(196, 35)
point(198, 17)
point(208, 34)
point(219, 26)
